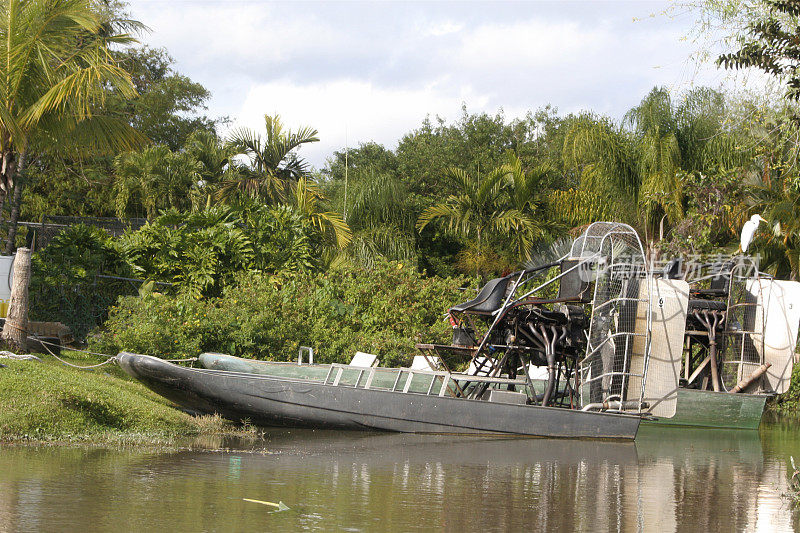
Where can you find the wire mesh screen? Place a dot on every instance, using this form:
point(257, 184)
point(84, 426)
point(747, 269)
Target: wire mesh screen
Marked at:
point(595, 240)
point(669, 305)
point(778, 311)
point(114, 226)
point(742, 336)
point(80, 303)
point(620, 303)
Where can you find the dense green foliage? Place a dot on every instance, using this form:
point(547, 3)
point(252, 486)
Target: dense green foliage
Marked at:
point(168, 110)
point(200, 253)
point(385, 311)
point(789, 402)
point(65, 286)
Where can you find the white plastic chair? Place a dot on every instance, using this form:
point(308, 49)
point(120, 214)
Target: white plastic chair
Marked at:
point(420, 363)
point(364, 359)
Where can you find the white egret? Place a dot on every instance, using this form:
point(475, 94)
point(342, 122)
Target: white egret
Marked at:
point(749, 230)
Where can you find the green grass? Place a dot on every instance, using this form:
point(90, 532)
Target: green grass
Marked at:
point(48, 401)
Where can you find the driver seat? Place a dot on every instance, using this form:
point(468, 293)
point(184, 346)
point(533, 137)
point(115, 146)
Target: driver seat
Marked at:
point(488, 300)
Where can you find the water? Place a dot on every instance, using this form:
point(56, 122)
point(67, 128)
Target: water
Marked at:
point(668, 480)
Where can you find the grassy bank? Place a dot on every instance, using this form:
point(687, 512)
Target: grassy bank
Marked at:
point(48, 401)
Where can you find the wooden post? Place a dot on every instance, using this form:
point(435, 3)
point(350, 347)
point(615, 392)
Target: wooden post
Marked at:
point(15, 330)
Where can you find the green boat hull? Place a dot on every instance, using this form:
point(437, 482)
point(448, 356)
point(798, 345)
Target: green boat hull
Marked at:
point(696, 408)
point(715, 410)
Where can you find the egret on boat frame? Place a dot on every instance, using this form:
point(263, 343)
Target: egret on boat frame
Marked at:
point(749, 231)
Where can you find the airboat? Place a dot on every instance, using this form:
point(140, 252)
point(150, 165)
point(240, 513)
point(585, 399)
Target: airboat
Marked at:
point(586, 346)
point(611, 356)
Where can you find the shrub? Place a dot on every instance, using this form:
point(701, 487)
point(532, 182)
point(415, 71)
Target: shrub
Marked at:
point(202, 252)
point(64, 285)
point(384, 311)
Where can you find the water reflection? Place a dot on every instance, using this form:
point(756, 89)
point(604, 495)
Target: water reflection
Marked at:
point(669, 480)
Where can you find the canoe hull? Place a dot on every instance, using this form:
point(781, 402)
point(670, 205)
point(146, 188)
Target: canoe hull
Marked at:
point(711, 409)
point(272, 401)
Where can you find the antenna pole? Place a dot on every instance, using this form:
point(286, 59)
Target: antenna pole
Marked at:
point(344, 214)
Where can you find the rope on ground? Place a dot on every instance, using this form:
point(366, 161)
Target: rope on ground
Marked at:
point(111, 358)
point(43, 342)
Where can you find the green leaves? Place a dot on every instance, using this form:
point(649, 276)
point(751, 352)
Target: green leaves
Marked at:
point(503, 206)
point(771, 45)
point(274, 166)
point(156, 179)
point(384, 310)
point(57, 68)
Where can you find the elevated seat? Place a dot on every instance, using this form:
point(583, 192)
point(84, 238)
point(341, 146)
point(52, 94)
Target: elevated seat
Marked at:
point(489, 299)
point(573, 287)
point(720, 283)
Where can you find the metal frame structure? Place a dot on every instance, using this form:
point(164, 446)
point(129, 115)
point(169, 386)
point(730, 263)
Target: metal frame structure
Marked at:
point(544, 323)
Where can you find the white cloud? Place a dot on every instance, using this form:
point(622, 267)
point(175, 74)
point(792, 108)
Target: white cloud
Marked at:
point(349, 111)
point(237, 37)
point(440, 29)
point(377, 69)
point(533, 43)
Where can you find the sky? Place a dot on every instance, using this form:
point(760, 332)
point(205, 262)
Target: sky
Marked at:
point(360, 72)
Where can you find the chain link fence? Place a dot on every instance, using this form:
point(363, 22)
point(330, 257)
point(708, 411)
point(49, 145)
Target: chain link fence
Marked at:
point(81, 305)
point(39, 234)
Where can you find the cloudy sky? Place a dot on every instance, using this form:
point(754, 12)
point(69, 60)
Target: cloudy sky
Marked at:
point(372, 71)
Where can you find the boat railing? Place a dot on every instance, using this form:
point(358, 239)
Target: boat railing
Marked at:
point(448, 382)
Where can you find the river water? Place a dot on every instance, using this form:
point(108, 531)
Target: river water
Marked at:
point(668, 480)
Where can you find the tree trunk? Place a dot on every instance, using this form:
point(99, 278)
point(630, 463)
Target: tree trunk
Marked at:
point(15, 208)
point(3, 198)
point(15, 330)
point(16, 200)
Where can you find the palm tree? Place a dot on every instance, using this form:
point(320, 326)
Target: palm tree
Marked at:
point(57, 67)
point(635, 171)
point(604, 158)
point(273, 163)
point(216, 163)
point(382, 221)
point(308, 200)
point(479, 212)
point(213, 155)
point(526, 202)
point(160, 178)
point(659, 157)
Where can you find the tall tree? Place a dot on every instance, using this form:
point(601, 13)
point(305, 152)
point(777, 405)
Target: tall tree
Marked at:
point(382, 221)
point(308, 200)
point(274, 165)
point(771, 45)
point(57, 65)
point(480, 214)
point(156, 178)
point(169, 106)
point(658, 158)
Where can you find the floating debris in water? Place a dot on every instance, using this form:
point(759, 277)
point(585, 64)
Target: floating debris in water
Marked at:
point(280, 505)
